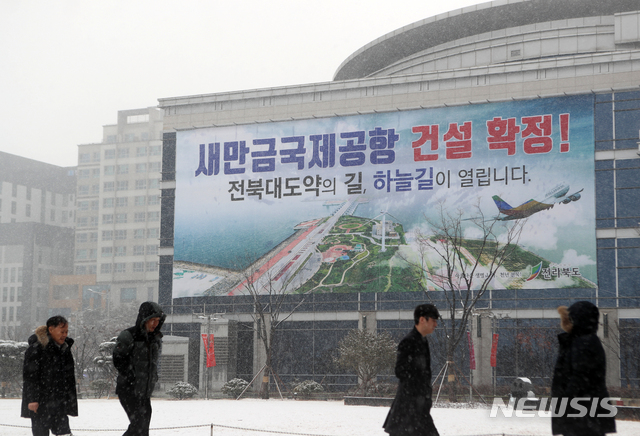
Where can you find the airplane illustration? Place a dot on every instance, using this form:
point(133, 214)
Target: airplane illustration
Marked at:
point(557, 194)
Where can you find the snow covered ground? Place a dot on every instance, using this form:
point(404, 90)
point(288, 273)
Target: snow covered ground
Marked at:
point(240, 418)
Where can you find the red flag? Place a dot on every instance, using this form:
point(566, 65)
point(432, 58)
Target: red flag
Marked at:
point(472, 353)
point(208, 346)
point(494, 350)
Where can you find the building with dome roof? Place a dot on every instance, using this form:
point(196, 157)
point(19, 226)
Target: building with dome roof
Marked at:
point(567, 72)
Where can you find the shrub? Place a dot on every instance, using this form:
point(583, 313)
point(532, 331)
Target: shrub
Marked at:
point(307, 388)
point(100, 387)
point(234, 387)
point(182, 390)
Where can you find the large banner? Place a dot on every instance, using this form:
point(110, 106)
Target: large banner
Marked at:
point(335, 203)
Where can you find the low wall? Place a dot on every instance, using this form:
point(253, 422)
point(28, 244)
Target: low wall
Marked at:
point(368, 401)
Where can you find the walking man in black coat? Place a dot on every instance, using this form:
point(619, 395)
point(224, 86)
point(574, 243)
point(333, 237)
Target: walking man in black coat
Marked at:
point(49, 390)
point(580, 373)
point(135, 356)
point(410, 413)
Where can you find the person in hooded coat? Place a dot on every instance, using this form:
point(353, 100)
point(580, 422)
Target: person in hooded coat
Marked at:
point(410, 412)
point(49, 389)
point(135, 356)
point(580, 372)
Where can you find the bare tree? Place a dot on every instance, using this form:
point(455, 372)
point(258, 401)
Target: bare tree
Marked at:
point(463, 267)
point(367, 355)
point(272, 303)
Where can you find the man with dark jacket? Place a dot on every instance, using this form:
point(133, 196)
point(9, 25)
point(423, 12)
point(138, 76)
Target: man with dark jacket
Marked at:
point(580, 372)
point(49, 390)
point(410, 413)
point(135, 356)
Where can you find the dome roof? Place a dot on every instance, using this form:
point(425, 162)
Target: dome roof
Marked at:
point(474, 20)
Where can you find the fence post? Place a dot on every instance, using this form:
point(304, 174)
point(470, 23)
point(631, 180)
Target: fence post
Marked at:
point(211, 429)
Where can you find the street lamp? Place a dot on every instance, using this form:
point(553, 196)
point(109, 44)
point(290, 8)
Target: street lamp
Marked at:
point(104, 293)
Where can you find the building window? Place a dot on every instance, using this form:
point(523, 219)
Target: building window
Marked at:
point(153, 233)
point(83, 205)
point(139, 217)
point(96, 156)
point(81, 254)
point(53, 215)
point(107, 202)
point(107, 235)
point(141, 151)
point(106, 251)
point(127, 295)
point(105, 268)
point(83, 222)
point(123, 153)
point(153, 216)
point(141, 184)
point(107, 218)
point(120, 267)
point(123, 185)
point(95, 205)
point(142, 118)
point(121, 251)
point(121, 234)
point(111, 139)
point(108, 187)
point(141, 168)
point(154, 184)
point(153, 200)
point(121, 218)
point(154, 150)
point(152, 266)
point(123, 169)
point(138, 250)
point(83, 189)
point(154, 167)
point(138, 266)
point(81, 270)
point(109, 170)
point(138, 234)
point(93, 237)
point(27, 210)
point(14, 207)
point(95, 189)
point(140, 200)
point(122, 202)
point(152, 249)
point(82, 237)
point(84, 158)
point(84, 174)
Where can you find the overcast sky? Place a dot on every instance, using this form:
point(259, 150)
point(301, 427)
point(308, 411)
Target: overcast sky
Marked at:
point(67, 67)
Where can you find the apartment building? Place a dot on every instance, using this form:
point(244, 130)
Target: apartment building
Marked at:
point(118, 207)
point(37, 202)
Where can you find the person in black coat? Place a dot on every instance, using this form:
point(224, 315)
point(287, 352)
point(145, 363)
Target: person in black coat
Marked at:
point(135, 356)
point(580, 372)
point(49, 389)
point(410, 413)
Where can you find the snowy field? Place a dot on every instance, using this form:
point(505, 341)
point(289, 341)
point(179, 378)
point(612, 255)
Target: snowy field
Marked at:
point(249, 417)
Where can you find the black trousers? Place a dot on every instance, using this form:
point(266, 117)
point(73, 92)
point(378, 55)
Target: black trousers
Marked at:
point(138, 410)
point(57, 423)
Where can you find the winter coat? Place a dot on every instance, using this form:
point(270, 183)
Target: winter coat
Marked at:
point(49, 377)
point(136, 354)
point(410, 410)
point(580, 372)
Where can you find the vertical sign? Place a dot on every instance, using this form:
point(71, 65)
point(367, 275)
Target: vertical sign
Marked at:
point(472, 353)
point(494, 350)
point(208, 346)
